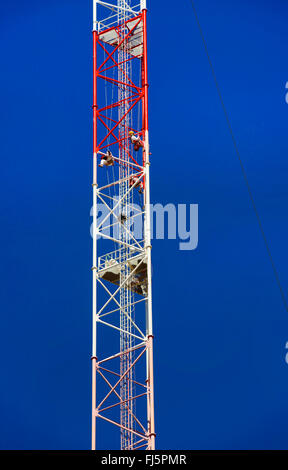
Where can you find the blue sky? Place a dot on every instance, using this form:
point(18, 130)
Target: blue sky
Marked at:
point(220, 325)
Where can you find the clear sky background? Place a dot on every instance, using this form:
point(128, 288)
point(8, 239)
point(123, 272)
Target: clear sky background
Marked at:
point(220, 325)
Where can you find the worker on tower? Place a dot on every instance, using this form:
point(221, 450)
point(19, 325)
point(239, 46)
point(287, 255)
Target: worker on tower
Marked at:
point(107, 159)
point(122, 218)
point(136, 141)
point(134, 180)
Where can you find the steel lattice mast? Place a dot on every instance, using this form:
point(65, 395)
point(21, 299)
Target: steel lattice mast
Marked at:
point(122, 362)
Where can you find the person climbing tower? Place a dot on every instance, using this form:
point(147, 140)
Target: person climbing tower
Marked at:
point(134, 180)
point(106, 160)
point(136, 141)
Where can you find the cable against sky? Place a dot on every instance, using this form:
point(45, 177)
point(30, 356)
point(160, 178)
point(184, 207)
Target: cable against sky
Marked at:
point(276, 275)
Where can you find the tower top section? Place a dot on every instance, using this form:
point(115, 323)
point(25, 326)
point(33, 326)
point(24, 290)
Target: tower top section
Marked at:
point(106, 13)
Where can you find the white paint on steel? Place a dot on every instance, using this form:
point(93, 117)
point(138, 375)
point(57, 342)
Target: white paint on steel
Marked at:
point(148, 236)
point(95, 15)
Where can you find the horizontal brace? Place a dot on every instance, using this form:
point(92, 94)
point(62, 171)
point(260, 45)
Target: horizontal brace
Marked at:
point(120, 242)
point(122, 353)
point(122, 427)
point(113, 7)
point(130, 218)
point(139, 447)
point(118, 375)
point(120, 329)
point(129, 128)
point(124, 401)
point(118, 103)
point(117, 309)
point(117, 82)
point(119, 63)
point(115, 200)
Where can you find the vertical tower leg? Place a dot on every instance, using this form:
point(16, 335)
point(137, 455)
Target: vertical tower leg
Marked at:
point(94, 268)
point(148, 247)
